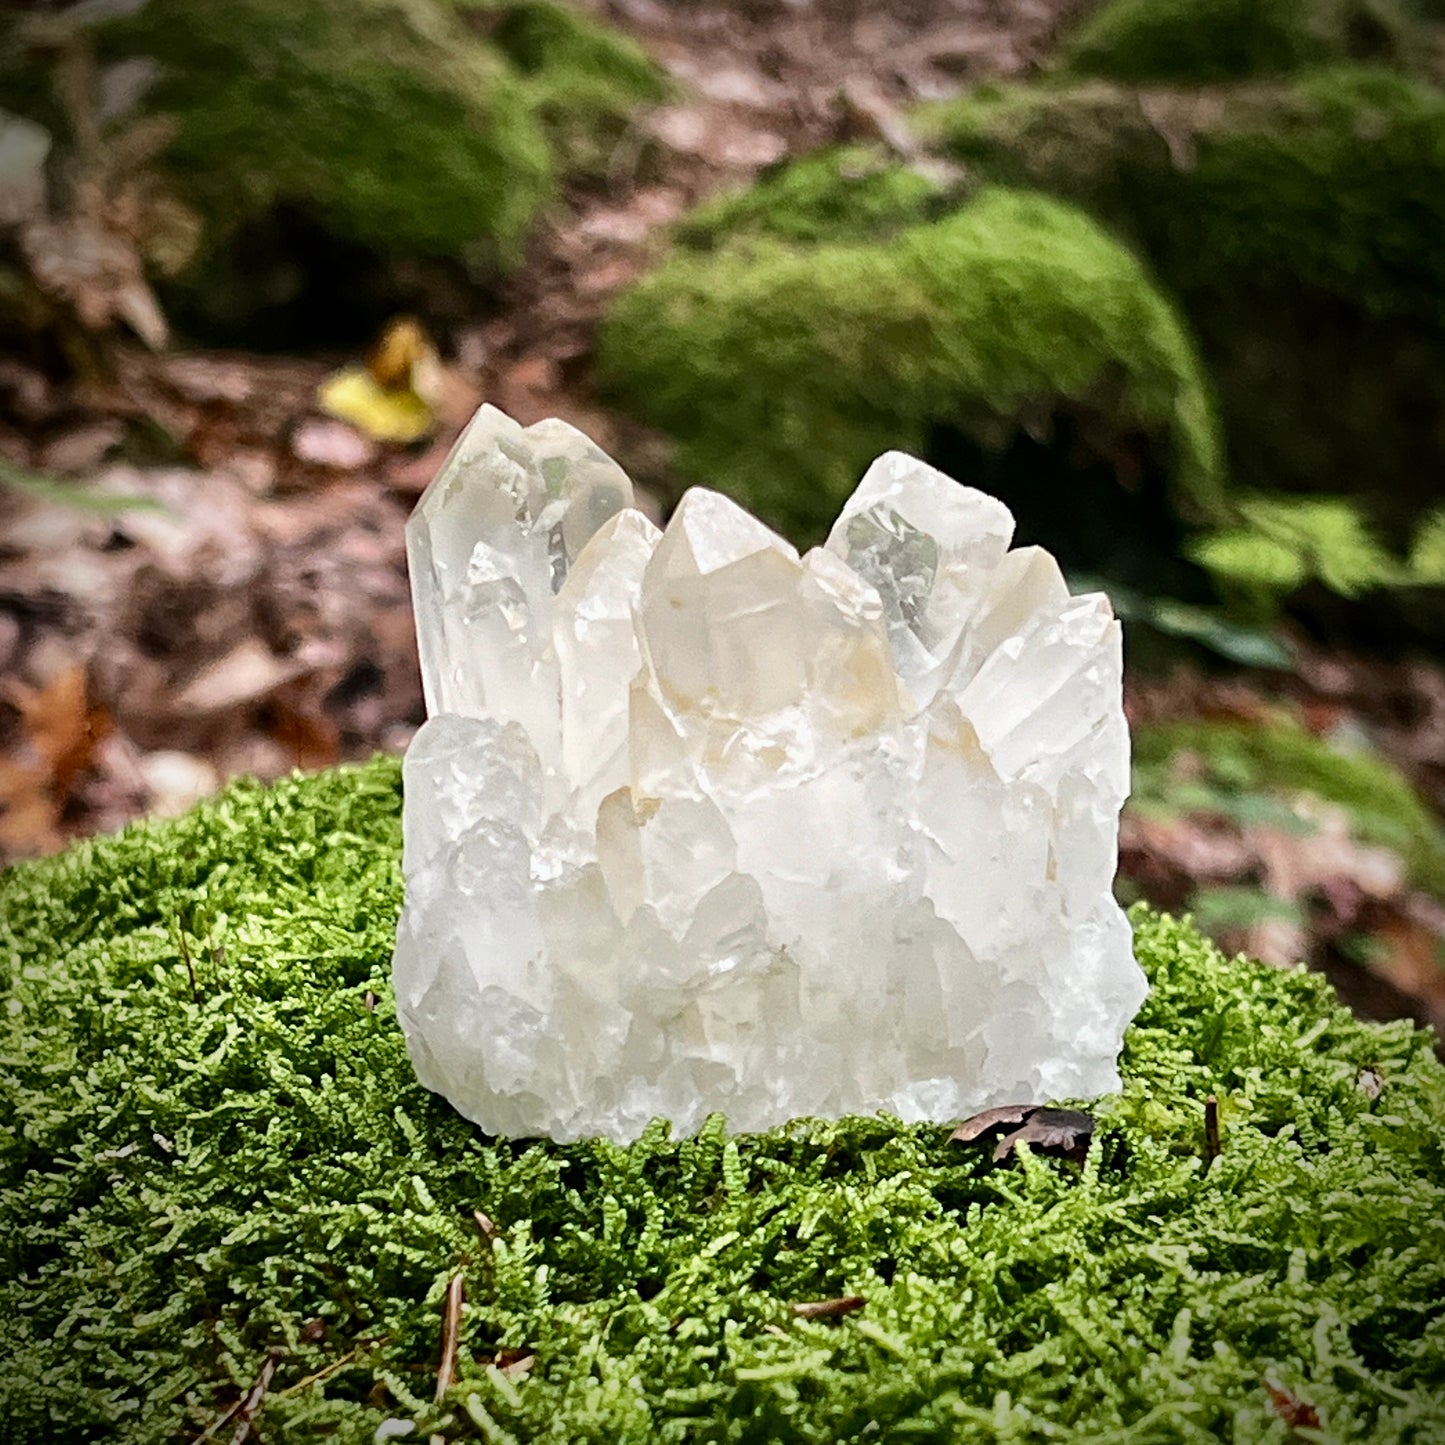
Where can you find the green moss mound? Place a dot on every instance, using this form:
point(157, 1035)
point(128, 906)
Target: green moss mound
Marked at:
point(1203, 41)
point(312, 166)
point(216, 1155)
point(1292, 222)
point(783, 369)
point(850, 193)
point(1295, 223)
point(1330, 182)
point(383, 119)
point(583, 79)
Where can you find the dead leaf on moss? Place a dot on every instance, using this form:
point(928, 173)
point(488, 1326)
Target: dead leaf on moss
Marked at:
point(1296, 1413)
point(1063, 1132)
point(991, 1121)
point(515, 1364)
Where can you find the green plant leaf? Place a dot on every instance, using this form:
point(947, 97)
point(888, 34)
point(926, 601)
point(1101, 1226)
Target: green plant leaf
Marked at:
point(73, 494)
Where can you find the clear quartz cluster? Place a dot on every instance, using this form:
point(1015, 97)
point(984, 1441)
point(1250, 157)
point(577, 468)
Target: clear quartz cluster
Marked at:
point(699, 824)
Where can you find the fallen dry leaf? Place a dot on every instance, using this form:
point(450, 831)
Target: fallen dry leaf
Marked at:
point(991, 1121)
point(1412, 959)
point(1296, 863)
point(323, 442)
point(1065, 1132)
point(299, 724)
point(29, 818)
point(402, 392)
point(60, 727)
point(1296, 1413)
point(403, 356)
point(176, 780)
point(246, 674)
point(96, 271)
point(382, 413)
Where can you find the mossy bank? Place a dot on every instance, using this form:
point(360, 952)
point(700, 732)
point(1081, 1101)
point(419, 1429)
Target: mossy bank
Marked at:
point(785, 361)
point(217, 1168)
point(1277, 200)
point(1195, 41)
point(311, 151)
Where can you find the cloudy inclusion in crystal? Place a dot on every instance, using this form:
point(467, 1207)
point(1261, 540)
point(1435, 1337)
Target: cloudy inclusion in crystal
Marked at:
point(699, 824)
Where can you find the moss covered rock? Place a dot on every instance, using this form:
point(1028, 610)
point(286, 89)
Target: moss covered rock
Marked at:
point(583, 79)
point(384, 119)
point(217, 1167)
point(850, 193)
point(1328, 183)
point(784, 367)
point(1296, 224)
point(335, 150)
point(1203, 41)
point(1292, 223)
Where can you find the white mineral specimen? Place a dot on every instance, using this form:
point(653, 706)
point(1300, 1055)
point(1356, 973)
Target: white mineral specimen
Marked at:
point(697, 824)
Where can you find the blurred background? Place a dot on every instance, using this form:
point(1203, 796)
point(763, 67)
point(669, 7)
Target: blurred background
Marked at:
point(1165, 275)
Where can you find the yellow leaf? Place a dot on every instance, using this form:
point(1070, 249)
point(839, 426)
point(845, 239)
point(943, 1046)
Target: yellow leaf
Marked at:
point(385, 414)
point(403, 346)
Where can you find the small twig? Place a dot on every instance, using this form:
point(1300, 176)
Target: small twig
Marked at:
point(828, 1309)
point(1211, 1131)
point(451, 1331)
point(332, 1368)
point(209, 1433)
point(186, 958)
point(252, 1403)
point(75, 82)
point(245, 1408)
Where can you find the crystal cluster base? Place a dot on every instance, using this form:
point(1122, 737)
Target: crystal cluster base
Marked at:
point(699, 824)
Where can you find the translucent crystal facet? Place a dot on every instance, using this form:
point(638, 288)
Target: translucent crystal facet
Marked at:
point(699, 824)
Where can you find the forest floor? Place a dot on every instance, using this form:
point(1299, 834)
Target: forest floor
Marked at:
point(245, 608)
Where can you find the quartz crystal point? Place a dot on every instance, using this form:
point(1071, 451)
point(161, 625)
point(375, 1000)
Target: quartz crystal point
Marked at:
point(699, 824)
